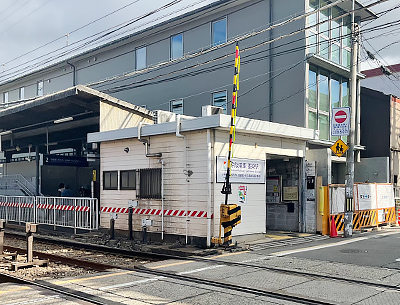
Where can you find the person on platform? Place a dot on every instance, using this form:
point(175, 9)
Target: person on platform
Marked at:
point(67, 192)
point(61, 188)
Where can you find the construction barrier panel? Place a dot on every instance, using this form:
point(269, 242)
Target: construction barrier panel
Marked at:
point(373, 202)
point(77, 213)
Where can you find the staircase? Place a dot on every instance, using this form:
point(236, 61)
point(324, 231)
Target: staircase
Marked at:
point(16, 185)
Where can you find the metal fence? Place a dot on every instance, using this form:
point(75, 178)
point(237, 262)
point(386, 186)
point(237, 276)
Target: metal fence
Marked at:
point(76, 213)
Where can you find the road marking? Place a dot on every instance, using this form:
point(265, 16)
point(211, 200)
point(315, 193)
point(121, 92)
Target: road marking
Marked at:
point(131, 283)
point(41, 300)
point(15, 289)
point(93, 277)
point(283, 253)
point(397, 259)
point(200, 269)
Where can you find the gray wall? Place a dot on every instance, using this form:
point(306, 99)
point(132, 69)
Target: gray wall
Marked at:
point(372, 170)
point(196, 85)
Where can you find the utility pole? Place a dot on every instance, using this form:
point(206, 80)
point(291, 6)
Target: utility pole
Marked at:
point(349, 181)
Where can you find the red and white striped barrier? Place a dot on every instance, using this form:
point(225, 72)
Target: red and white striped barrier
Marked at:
point(47, 206)
point(16, 205)
point(179, 213)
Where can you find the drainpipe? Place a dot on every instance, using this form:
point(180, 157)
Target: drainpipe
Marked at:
point(154, 155)
point(74, 74)
point(209, 185)
point(146, 143)
point(162, 198)
point(185, 171)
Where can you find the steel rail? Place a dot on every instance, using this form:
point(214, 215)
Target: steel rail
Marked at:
point(160, 256)
point(58, 289)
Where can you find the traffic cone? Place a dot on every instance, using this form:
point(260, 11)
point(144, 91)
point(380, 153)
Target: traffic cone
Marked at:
point(333, 228)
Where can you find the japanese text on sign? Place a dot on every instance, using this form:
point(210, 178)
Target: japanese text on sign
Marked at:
point(242, 170)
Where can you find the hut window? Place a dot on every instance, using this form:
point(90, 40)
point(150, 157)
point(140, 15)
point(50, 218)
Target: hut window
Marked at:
point(150, 183)
point(110, 180)
point(128, 180)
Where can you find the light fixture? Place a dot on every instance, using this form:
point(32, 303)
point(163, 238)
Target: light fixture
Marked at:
point(126, 149)
point(17, 148)
point(70, 118)
point(286, 159)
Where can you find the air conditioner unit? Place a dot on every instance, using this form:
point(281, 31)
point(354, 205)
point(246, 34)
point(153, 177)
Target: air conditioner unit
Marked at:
point(162, 116)
point(208, 110)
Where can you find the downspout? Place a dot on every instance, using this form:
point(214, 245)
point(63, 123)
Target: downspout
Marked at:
point(154, 155)
point(209, 185)
point(74, 74)
point(146, 143)
point(185, 171)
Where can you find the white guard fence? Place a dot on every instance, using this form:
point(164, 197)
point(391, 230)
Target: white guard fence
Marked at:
point(70, 212)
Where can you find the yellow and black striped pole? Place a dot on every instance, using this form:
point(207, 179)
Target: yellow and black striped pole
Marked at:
point(227, 189)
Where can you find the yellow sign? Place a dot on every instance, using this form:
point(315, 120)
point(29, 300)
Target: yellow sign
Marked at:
point(339, 148)
point(94, 175)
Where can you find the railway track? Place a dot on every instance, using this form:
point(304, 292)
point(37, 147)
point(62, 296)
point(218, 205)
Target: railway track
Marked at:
point(204, 281)
point(101, 266)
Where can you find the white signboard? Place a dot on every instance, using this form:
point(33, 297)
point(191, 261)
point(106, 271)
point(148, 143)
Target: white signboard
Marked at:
point(242, 170)
point(340, 121)
point(310, 168)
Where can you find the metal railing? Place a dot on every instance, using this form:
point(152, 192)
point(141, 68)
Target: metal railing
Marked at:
point(76, 213)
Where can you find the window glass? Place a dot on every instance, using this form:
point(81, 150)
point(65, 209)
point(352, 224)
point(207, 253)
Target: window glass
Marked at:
point(323, 127)
point(335, 92)
point(176, 46)
point(40, 88)
point(323, 17)
point(110, 180)
point(323, 91)
point(335, 31)
point(312, 43)
point(176, 106)
point(220, 100)
point(128, 180)
point(346, 31)
point(21, 93)
point(335, 53)
point(312, 120)
point(324, 48)
point(219, 32)
point(346, 58)
point(345, 94)
point(141, 58)
point(312, 87)
point(312, 19)
point(150, 183)
point(5, 97)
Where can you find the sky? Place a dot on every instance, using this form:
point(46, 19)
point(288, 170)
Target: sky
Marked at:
point(34, 30)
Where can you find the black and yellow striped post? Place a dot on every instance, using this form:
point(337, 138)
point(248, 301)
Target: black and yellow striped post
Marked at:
point(230, 217)
point(230, 213)
point(227, 188)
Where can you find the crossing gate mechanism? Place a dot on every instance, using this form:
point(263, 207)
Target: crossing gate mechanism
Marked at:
point(230, 216)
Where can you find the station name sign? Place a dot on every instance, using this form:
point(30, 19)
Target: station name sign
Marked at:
point(65, 161)
point(242, 170)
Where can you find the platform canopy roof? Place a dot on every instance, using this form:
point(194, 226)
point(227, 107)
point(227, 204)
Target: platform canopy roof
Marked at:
point(59, 120)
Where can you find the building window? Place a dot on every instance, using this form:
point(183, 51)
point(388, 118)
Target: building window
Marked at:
point(176, 46)
point(150, 183)
point(39, 91)
point(22, 93)
point(325, 91)
point(140, 56)
point(5, 97)
point(176, 106)
point(220, 100)
point(128, 180)
point(330, 38)
point(218, 32)
point(110, 180)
